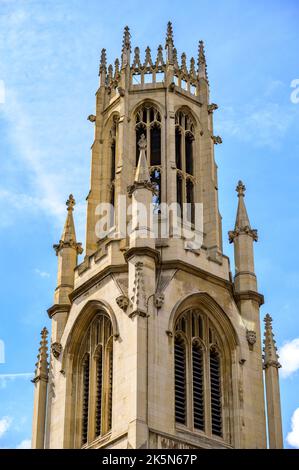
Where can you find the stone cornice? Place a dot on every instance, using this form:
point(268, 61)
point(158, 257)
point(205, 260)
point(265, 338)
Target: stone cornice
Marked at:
point(68, 244)
point(177, 264)
point(232, 234)
point(119, 268)
point(249, 295)
point(40, 378)
point(272, 363)
point(142, 251)
point(181, 265)
point(57, 308)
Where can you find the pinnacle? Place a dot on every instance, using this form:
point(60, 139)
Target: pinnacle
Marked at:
point(270, 350)
point(142, 172)
point(68, 237)
point(242, 219)
point(201, 62)
point(242, 224)
point(41, 370)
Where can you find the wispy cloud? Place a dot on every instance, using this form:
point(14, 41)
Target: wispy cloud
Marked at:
point(6, 378)
point(293, 436)
point(289, 357)
point(41, 273)
point(42, 120)
point(25, 444)
point(261, 124)
point(5, 424)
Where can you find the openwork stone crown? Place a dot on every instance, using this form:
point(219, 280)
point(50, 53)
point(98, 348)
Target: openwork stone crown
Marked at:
point(154, 64)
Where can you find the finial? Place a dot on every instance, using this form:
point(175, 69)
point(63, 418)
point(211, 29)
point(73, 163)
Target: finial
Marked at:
point(126, 47)
point(136, 62)
point(183, 63)
point(142, 142)
point(160, 59)
point(116, 68)
point(148, 57)
point(110, 73)
point(70, 203)
point(41, 367)
point(175, 58)
point(169, 34)
point(127, 38)
point(270, 350)
point(169, 43)
point(103, 62)
point(192, 67)
point(241, 189)
point(202, 64)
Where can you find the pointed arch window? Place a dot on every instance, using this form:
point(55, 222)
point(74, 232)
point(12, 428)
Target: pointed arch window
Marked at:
point(198, 376)
point(184, 153)
point(215, 388)
point(85, 397)
point(95, 380)
point(113, 152)
point(148, 123)
point(180, 379)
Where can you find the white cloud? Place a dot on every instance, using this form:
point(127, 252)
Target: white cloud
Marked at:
point(25, 444)
point(293, 436)
point(5, 378)
point(257, 123)
point(41, 273)
point(5, 423)
point(289, 357)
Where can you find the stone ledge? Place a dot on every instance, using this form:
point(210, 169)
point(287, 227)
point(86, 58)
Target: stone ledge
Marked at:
point(119, 268)
point(57, 308)
point(249, 295)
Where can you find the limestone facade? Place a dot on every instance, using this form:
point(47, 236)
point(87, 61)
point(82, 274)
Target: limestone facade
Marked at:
point(120, 316)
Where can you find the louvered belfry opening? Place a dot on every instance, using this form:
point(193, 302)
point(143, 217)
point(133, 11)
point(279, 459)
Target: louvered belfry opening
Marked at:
point(85, 399)
point(99, 392)
point(198, 387)
point(198, 378)
point(110, 386)
point(184, 149)
point(96, 376)
point(216, 406)
point(180, 380)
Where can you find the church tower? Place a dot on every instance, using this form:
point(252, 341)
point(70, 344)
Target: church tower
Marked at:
point(154, 343)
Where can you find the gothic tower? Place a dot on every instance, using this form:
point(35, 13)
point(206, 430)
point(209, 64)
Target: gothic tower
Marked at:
point(154, 343)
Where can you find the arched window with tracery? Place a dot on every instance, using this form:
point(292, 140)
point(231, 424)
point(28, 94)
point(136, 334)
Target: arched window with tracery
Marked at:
point(148, 123)
point(184, 157)
point(94, 384)
point(198, 374)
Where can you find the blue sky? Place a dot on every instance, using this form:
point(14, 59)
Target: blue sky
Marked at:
point(49, 56)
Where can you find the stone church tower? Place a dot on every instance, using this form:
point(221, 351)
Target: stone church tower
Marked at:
point(154, 343)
